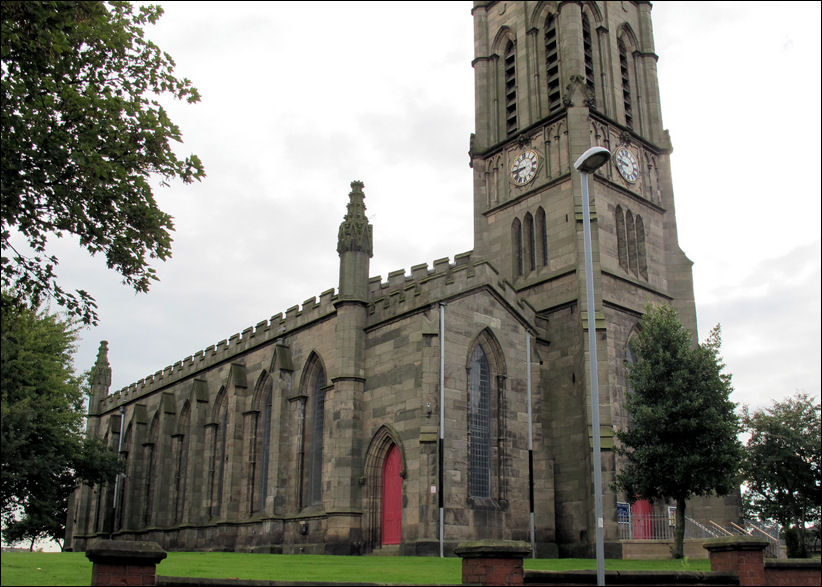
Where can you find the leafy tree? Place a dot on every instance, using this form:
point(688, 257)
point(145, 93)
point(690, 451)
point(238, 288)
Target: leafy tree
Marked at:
point(783, 467)
point(682, 438)
point(40, 521)
point(44, 453)
point(82, 132)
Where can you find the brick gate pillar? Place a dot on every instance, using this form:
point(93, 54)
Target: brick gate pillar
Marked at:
point(124, 562)
point(743, 555)
point(492, 562)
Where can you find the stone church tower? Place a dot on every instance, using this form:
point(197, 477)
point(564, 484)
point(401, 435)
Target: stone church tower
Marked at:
point(553, 79)
point(451, 402)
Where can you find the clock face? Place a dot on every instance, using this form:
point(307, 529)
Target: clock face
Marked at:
point(524, 168)
point(627, 165)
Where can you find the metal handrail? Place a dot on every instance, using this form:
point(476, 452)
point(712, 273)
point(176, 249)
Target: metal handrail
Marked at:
point(743, 530)
point(760, 530)
point(720, 528)
point(700, 526)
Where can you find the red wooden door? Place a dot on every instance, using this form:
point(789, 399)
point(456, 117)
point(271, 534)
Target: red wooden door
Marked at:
point(641, 518)
point(392, 497)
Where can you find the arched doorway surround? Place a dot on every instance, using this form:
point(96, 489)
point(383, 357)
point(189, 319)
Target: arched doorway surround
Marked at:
point(383, 444)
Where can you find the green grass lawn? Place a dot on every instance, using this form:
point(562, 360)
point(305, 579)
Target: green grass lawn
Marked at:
point(73, 568)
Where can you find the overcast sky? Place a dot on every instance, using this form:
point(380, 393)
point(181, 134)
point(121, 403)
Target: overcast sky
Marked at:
point(299, 99)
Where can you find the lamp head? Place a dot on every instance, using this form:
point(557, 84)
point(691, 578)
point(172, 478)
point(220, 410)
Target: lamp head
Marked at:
point(592, 159)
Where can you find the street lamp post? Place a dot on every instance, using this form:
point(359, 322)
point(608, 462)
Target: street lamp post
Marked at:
point(588, 162)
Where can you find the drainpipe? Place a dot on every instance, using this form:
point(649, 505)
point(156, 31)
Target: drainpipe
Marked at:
point(441, 444)
point(530, 446)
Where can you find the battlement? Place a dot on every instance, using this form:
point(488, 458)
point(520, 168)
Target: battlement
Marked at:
point(404, 293)
point(400, 294)
point(278, 326)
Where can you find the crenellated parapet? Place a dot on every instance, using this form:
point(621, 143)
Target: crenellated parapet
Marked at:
point(401, 294)
point(425, 285)
point(264, 332)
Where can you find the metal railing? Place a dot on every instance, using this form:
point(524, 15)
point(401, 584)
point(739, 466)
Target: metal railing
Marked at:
point(661, 527)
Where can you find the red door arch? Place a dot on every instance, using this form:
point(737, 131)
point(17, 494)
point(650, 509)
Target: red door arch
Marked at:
point(392, 497)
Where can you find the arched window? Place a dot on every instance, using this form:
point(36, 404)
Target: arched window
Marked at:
point(261, 447)
point(552, 63)
point(588, 49)
point(622, 247)
point(150, 454)
point(182, 441)
point(542, 237)
point(218, 453)
point(624, 70)
point(630, 233)
point(122, 481)
point(314, 385)
point(516, 246)
point(479, 431)
point(630, 229)
point(485, 370)
point(510, 65)
point(530, 242)
point(642, 260)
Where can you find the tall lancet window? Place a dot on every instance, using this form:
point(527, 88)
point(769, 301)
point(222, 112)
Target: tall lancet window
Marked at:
point(542, 237)
point(622, 245)
point(510, 65)
point(150, 469)
point(218, 454)
point(516, 246)
point(182, 442)
point(588, 48)
point(624, 71)
point(480, 425)
point(552, 63)
point(642, 259)
point(123, 481)
point(530, 242)
point(630, 232)
point(262, 448)
point(630, 228)
point(315, 390)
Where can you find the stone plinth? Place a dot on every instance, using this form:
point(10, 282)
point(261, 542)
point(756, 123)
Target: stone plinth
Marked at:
point(492, 562)
point(124, 562)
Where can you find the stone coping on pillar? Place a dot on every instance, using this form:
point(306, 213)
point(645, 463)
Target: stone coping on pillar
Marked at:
point(493, 549)
point(735, 543)
point(134, 552)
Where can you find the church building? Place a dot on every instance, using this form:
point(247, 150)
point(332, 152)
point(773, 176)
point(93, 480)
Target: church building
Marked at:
point(450, 402)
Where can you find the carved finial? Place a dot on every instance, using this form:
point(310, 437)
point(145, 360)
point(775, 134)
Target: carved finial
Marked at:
point(355, 231)
point(101, 372)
